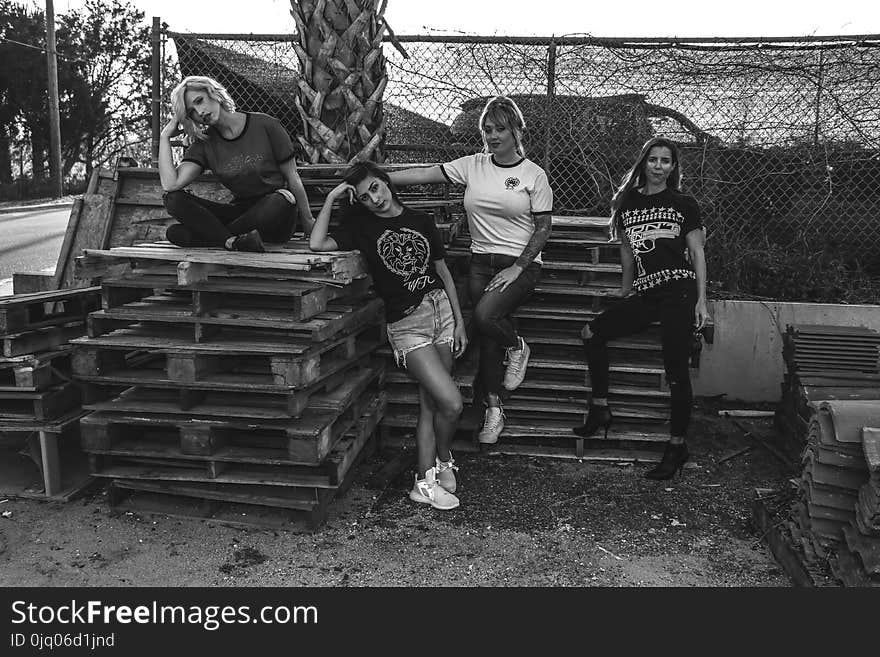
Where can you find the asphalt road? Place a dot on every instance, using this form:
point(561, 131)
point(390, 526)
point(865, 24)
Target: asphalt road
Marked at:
point(30, 241)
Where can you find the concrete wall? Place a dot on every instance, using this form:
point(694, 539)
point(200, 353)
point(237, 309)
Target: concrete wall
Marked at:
point(746, 360)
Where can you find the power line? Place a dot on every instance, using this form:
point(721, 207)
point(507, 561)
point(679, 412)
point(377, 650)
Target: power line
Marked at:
point(42, 49)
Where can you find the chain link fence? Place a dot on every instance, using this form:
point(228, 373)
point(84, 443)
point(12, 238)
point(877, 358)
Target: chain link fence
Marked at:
point(780, 139)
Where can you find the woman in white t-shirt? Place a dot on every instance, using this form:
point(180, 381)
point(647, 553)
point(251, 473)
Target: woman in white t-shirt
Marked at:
point(509, 204)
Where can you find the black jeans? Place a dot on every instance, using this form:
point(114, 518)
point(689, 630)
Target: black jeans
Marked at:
point(209, 223)
point(673, 305)
point(495, 327)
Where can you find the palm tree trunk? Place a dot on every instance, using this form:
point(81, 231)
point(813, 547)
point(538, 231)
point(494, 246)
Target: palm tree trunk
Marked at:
point(342, 80)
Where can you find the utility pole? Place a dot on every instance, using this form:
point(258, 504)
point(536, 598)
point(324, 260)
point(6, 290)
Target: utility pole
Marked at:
point(54, 113)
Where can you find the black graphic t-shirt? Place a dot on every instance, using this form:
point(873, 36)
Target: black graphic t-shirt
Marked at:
point(248, 165)
point(655, 226)
point(400, 253)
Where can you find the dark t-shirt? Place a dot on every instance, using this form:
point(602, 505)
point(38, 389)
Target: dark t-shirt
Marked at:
point(249, 165)
point(400, 253)
point(655, 226)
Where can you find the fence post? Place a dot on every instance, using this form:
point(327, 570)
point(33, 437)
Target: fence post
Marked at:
point(549, 104)
point(155, 38)
point(818, 97)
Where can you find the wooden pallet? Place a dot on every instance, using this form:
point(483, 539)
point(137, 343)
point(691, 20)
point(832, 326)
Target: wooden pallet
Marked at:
point(26, 312)
point(249, 506)
point(153, 459)
point(53, 450)
point(249, 403)
point(138, 355)
point(336, 317)
point(135, 297)
point(34, 372)
point(545, 439)
point(41, 339)
point(306, 440)
point(40, 406)
point(291, 261)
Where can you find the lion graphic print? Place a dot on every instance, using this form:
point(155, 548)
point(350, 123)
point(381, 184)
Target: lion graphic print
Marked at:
point(406, 252)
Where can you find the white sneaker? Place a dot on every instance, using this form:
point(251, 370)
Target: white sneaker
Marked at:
point(517, 361)
point(446, 473)
point(428, 491)
point(493, 424)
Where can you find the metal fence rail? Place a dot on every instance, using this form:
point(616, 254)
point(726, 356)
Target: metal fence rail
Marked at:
point(780, 137)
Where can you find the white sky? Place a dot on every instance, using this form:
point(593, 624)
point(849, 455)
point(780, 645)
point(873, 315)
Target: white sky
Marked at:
point(628, 18)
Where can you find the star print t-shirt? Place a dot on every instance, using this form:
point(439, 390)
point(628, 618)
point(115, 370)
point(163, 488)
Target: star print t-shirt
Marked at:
point(656, 225)
point(500, 200)
point(400, 253)
point(248, 165)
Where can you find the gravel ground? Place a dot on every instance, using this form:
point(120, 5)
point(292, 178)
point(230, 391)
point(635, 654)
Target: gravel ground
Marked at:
point(522, 522)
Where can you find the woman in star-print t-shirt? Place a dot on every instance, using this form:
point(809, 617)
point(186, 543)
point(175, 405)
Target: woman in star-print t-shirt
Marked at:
point(404, 254)
point(657, 223)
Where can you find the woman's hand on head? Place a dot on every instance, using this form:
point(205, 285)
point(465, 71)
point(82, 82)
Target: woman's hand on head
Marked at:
point(340, 189)
point(172, 128)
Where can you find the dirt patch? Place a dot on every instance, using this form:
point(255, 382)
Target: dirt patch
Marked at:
point(523, 521)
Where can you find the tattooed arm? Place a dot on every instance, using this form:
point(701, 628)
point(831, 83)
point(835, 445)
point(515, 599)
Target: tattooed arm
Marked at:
point(539, 238)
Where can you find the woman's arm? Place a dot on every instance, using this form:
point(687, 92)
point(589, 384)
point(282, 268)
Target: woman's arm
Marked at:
point(627, 262)
point(418, 176)
point(171, 177)
point(295, 185)
point(695, 240)
point(543, 225)
point(318, 240)
point(460, 334)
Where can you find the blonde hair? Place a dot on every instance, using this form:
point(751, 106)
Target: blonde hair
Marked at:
point(210, 86)
point(503, 111)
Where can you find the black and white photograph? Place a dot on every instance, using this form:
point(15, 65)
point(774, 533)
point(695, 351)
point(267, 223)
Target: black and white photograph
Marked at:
point(318, 295)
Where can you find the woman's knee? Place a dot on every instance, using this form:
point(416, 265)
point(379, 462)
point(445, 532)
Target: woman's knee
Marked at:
point(451, 405)
point(485, 317)
point(176, 201)
point(179, 235)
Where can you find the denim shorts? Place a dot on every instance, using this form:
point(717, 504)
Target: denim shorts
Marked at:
point(430, 323)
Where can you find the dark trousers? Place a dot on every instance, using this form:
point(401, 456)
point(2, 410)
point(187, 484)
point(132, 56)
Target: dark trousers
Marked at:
point(495, 328)
point(209, 223)
point(673, 305)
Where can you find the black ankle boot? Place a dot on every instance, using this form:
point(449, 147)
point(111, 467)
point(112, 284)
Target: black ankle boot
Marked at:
point(674, 458)
point(249, 242)
point(597, 417)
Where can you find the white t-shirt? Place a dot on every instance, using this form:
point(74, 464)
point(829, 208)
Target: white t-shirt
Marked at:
point(500, 200)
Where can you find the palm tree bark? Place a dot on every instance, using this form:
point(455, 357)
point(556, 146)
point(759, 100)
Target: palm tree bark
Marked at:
point(342, 78)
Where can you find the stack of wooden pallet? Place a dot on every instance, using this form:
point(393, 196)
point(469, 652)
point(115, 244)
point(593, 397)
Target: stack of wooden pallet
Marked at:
point(580, 278)
point(39, 404)
point(824, 363)
point(246, 379)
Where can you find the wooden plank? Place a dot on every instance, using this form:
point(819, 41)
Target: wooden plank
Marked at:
point(90, 230)
point(42, 339)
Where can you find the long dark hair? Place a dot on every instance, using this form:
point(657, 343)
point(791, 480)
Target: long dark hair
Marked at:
point(359, 171)
point(635, 177)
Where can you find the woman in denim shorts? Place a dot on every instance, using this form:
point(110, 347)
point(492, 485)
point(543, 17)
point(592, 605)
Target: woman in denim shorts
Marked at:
point(509, 202)
point(404, 254)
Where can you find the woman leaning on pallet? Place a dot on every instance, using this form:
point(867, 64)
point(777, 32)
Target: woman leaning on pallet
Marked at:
point(509, 202)
point(404, 254)
point(657, 223)
point(253, 157)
